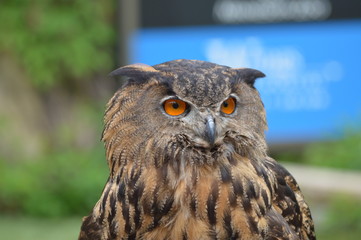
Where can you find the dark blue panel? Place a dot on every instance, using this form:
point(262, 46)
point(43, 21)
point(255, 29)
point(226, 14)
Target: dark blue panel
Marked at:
point(313, 69)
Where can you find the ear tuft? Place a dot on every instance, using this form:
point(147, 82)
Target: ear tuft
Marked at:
point(132, 70)
point(249, 75)
point(136, 73)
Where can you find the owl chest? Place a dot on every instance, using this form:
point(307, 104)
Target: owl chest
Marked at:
point(206, 208)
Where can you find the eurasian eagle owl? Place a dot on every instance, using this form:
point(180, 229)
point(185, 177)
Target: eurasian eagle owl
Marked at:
point(188, 159)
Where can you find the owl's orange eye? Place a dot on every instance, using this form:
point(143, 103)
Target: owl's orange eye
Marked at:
point(229, 105)
point(174, 107)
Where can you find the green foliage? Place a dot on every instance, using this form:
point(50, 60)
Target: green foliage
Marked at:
point(30, 228)
point(68, 176)
point(342, 221)
point(61, 184)
point(58, 40)
point(343, 153)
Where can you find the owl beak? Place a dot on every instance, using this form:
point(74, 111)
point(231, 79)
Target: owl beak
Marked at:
point(210, 133)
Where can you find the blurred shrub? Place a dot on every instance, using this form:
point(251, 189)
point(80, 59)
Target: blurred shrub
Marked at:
point(57, 41)
point(60, 184)
point(342, 220)
point(67, 179)
point(62, 46)
point(343, 153)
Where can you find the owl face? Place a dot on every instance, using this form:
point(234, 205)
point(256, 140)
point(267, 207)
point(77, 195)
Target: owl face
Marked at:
point(187, 105)
point(205, 126)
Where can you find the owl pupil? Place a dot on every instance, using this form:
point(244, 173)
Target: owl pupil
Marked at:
point(225, 104)
point(175, 105)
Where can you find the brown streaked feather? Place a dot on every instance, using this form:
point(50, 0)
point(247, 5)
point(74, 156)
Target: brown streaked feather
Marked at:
point(290, 203)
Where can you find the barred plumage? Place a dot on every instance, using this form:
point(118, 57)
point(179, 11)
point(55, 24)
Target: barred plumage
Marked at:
point(171, 179)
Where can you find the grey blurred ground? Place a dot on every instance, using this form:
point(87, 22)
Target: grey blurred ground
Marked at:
point(323, 181)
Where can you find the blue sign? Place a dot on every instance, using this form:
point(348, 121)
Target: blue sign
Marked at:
point(313, 70)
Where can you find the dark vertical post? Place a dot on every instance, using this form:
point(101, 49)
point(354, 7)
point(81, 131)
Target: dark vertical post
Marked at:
point(128, 18)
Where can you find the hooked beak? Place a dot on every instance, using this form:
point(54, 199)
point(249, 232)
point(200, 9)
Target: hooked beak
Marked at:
point(210, 133)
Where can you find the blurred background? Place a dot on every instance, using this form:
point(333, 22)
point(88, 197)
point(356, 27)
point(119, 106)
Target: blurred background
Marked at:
point(54, 61)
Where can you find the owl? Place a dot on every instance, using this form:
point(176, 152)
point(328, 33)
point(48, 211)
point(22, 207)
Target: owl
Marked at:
point(187, 155)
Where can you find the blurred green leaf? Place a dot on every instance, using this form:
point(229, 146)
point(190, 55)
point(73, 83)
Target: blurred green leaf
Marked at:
point(61, 184)
point(58, 40)
point(343, 220)
point(343, 152)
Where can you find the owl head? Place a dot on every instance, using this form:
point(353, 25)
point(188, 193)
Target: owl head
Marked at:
point(189, 110)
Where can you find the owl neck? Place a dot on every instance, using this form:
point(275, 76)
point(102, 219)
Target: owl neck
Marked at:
point(179, 160)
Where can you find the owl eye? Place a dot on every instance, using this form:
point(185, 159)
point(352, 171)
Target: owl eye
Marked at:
point(229, 105)
point(175, 107)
